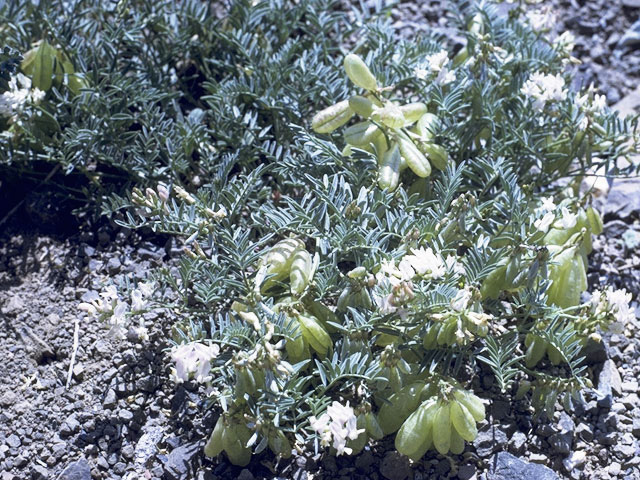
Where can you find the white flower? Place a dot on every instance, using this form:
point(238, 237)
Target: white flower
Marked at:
point(425, 262)
point(119, 312)
point(541, 89)
point(137, 302)
point(568, 219)
point(565, 42)
point(110, 293)
point(194, 360)
point(545, 222)
point(19, 94)
point(445, 76)
point(599, 102)
point(547, 204)
point(437, 61)
point(462, 299)
point(146, 289)
point(619, 303)
point(542, 19)
point(339, 424)
point(454, 265)
point(420, 73)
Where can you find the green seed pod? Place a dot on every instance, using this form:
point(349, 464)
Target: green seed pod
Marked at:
point(535, 351)
point(296, 348)
point(359, 73)
point(390, 115)
point(416, 161)
point(361, 134)
point(315, 334)
point(554, 354)
point(430, 408)
point(335, 116)
point(463, 421)
point(429, 339)
point(461, 56)
point(411, 433)
point(442, 429)
point(301, 271)
point(412, 112)
point(436, 154)
point(398, 407)
point(361, 105)
point(595, 221)
point(389, 171)
point(214, 447)
point(279, 444)
point(426, 126)
point(472, 402)
point(372, 426)
point(457, 443)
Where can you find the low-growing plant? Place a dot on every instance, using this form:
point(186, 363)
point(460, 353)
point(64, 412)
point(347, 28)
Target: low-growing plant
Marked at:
point(431, 229)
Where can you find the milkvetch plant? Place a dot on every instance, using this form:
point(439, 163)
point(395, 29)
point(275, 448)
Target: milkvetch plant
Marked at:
point(426, 220)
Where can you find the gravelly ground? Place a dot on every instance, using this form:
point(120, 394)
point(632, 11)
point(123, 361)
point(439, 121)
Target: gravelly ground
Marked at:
point(122, 418)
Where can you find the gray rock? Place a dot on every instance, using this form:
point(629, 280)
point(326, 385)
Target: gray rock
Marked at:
point(395, 466)
point(623, 200)
point(508, 467)
point(466, 472)
point(38, 472)
point(631, 38)
point(110, 399)
point(78, 470)
point(563, 440)
point(608, 381)
point(595, 352)
point(574, 460)
point(14, 441)
point(246, 475)
point(631, 3)
point(517, 442)
point(178, 462)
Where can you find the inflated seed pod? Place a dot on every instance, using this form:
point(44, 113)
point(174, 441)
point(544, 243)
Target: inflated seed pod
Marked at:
point(412, 433)
point(359, 73)
point(456, 445)
point(412, 112)
point(442, 429)
point(535, 350)
point(279, 444)
point(426, 126)
point(335, 116)
point(416, 161)
point(389, 171)
point(390, 115)
point(595, 221)
point(301, 271)
point(315, 334)
point(277, 262)
point(363, 106)
point(372, 426)
point(472, 402)
point(214, 446)
point(436, 154)
point(398, 407)
point(463, 421)
point(361, 134)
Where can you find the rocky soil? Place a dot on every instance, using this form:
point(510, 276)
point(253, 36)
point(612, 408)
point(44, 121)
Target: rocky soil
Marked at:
point(121, 417)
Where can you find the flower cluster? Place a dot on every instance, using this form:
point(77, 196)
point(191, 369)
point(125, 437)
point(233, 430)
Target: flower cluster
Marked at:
point(541, 19)
point(543, 89)
point(193, 361)
point(108, 305)
point(339, 424)
point(615, 303)
point(438, 65)
point(19, 94)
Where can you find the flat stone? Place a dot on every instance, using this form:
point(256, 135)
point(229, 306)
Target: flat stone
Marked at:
point(509, 467)
point(395, 466)
point(608, 381)
point(78, 470)
point(631, 3)
point(623, 201)
point(574, 460)
point(178, 462)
